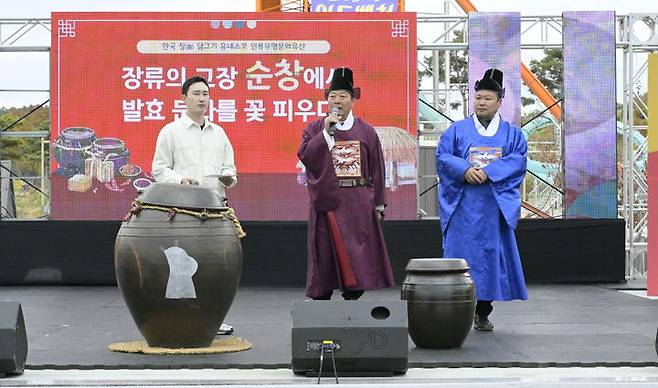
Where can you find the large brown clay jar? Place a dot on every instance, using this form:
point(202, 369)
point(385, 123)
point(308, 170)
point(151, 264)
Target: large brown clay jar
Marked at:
point(440, 297)
point(178, 272)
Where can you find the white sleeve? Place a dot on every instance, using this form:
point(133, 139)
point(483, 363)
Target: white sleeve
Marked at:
point(330, 140)
point(163, 159)
point(228, 163)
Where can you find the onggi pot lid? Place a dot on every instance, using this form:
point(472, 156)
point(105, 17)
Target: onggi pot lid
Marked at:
point(184, 196)
point(437, 265)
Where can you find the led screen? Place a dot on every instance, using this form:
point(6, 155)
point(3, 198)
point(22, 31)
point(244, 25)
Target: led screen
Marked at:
point(116, 81)
point(589, 125)
point(494, 41)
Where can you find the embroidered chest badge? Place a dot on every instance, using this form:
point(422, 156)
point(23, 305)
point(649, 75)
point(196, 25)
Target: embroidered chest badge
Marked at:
point(346, 156)
point(480, 157)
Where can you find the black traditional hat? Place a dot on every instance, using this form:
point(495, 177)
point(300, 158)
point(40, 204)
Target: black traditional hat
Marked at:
point(343, 80)
point(492, 80)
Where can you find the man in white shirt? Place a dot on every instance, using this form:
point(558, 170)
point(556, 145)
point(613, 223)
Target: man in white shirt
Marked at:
point(194, 151)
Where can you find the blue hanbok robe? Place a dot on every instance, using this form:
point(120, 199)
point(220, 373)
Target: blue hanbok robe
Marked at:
point(478, 221)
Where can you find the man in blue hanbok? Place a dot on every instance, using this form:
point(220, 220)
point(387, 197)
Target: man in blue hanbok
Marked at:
point(481, 162)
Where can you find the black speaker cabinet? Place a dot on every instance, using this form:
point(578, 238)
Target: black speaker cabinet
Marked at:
point(13, 339)
point(369, 338)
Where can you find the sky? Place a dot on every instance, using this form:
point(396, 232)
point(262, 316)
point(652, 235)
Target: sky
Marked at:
point(30, 70)
point(42, 8)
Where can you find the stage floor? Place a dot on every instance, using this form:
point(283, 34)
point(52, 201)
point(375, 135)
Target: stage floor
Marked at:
point(561, 325)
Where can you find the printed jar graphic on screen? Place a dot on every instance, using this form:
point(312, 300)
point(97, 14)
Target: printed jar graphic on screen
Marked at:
point(399, 155)
point(71, 149)
point(106, 157)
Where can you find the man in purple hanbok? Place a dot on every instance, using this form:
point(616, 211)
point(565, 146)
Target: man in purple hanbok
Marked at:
point(481, 162)
point(345, 178)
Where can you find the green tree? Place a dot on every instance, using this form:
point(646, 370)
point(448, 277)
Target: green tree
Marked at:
point(9, 146)
point(549, 71)
point(25, 153)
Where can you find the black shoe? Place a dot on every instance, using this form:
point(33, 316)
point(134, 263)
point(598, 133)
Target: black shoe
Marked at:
point(482, 323)
point(352, 294)
point(225, 329)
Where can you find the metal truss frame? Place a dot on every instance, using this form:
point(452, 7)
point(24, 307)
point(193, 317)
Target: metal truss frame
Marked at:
point(634, 160)
point(13, 34)
point(13, 30)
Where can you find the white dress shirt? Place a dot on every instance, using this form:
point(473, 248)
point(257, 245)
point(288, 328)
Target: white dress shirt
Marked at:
point(184, 150)
point(491, 129)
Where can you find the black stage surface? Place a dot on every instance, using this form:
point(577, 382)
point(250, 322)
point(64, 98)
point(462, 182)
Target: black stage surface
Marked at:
point(561, 325)
point(82, 252)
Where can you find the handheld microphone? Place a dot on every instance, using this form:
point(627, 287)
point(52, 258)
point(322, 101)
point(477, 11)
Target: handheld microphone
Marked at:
point(332, 128)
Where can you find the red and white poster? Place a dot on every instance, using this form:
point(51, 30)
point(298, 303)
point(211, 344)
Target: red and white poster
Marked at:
point(116, 81)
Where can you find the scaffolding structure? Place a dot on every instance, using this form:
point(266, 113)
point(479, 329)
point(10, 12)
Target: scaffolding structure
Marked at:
point(537, 33)
point(633, 209)
point(26, 36)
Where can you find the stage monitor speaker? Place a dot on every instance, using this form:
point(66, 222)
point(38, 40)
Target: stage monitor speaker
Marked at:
point(13, 339)
point(368, 338)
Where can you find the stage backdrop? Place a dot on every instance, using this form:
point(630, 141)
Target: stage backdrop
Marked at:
point(116, 81)
point(590, 124)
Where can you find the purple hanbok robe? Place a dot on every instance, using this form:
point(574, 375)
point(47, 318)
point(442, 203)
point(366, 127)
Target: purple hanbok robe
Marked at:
point(478, 221)
point(354, 209)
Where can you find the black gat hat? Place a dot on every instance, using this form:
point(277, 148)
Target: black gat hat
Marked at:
point(492, 80)
point(343, 79)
